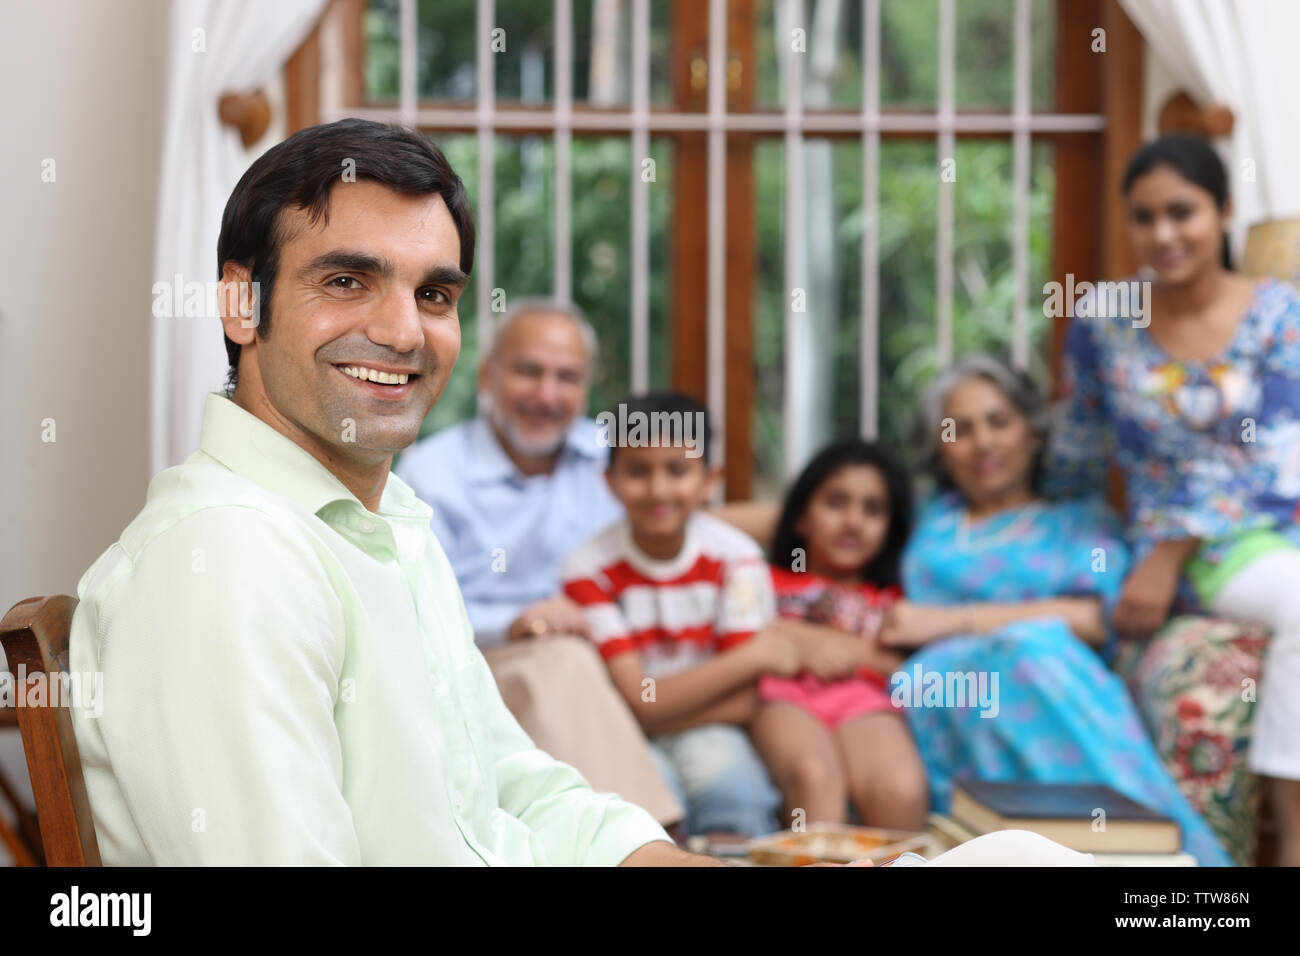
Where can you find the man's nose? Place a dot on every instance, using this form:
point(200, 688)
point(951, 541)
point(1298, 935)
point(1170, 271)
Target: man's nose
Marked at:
point(548, 388)
point(396, 324)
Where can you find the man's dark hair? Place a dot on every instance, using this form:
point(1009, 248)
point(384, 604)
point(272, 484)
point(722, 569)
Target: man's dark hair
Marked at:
point(301, 171)
point(664, 404)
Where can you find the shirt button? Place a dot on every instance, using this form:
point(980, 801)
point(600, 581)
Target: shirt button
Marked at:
point(367, 527)
point(457, 800)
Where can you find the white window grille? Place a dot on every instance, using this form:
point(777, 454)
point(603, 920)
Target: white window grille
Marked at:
point(639, 122)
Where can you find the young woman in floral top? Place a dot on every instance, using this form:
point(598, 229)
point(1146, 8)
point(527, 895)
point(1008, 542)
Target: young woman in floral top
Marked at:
point(1197, 400)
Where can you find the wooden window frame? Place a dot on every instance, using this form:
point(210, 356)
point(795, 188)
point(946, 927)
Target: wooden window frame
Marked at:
point(1088, 237)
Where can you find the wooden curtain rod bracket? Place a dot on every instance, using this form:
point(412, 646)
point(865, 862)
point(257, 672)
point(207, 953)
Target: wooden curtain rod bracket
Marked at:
point(1181, 115)
point(250, 113)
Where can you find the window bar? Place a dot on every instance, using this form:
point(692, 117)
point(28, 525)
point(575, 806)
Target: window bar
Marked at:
point(612, 121)
point(408, 92)
point(870, 331)
point(485, 242)
point(1020, 188)
point(640, 196)
point(797, 388)
point(563, 281)
point(947, 151)
point(717, 265)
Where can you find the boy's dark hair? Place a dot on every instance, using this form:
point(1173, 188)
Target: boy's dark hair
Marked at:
point(301, 172)
point(1191, 157)
point(884, 569)
point(663, 404)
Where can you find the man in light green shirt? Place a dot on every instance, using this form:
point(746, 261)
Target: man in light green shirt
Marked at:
point(289, 673)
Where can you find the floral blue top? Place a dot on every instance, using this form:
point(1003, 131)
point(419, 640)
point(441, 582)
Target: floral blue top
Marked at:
point(1208, 449)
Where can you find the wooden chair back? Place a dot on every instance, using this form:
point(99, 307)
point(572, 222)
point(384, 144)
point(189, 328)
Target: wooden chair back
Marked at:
point(34, 635)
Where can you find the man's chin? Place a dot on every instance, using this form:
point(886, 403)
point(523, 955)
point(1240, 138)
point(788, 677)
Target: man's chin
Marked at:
point(533, 447)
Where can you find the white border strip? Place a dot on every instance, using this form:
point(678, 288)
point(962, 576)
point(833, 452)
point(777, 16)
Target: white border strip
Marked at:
point(640, 313)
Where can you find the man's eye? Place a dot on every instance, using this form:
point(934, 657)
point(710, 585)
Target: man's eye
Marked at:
point(340, 282)
point(438, 296)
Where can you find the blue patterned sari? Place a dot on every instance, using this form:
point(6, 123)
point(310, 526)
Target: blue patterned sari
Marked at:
point(1062, 716)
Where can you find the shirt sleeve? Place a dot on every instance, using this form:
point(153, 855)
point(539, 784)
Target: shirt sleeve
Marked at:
point(569, 823)
point(221, 652)
point(746, 604)
point(1079, 444)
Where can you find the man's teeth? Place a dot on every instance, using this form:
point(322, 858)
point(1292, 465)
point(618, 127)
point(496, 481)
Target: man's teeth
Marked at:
point(371, 375)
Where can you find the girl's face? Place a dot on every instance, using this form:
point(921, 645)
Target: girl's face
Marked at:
point(1175, 226)
point(992, 452)
point(845, 522)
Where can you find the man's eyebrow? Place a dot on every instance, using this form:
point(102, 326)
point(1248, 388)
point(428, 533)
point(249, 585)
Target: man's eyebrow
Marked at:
point(445, 275)
point(384, 268)
point(352, 262)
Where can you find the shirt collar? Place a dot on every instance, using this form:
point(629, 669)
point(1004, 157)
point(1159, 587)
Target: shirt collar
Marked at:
point(250, 447)
point(488, 461)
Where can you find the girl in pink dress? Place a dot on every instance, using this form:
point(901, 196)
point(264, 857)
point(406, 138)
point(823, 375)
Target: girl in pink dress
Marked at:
point(831, 734)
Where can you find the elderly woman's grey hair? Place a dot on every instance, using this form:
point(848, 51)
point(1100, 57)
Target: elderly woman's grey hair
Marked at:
point(1019, 388)
point(544, 306)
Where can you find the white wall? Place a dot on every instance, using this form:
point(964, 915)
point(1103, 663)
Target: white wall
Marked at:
point(83, 86)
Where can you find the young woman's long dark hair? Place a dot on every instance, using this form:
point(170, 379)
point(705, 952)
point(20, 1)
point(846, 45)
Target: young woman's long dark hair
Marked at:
point(1191, 157)
point(883, 570)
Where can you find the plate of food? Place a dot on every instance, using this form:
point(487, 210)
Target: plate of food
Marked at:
point(834, 843)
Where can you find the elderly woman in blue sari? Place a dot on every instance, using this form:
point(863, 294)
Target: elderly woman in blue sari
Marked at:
point(1016, 590)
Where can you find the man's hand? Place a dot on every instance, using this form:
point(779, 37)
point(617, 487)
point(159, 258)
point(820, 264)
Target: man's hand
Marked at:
point(557, 615)
point(1149, 590)
point(661, 853)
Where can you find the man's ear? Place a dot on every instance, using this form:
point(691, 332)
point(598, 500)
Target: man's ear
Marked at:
point(240, 303)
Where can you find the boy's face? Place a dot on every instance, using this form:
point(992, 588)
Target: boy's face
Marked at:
point(660, 487)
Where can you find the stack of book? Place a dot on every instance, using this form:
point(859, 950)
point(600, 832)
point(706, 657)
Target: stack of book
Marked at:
point(1089, 818)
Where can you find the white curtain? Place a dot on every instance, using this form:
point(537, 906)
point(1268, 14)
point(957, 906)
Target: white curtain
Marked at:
point(1220, 51)
point(213, 47)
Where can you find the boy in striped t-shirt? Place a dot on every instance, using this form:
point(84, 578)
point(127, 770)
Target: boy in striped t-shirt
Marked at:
point(677, 600)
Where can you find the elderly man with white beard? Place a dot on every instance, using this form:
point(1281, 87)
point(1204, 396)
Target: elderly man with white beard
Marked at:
point(513, 491)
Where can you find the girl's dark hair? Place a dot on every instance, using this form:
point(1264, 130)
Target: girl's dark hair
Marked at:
point(302, 171)
point(1191, 157)
point(883, 570)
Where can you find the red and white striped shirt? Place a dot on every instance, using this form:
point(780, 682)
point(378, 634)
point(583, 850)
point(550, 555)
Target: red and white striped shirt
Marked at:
point(676, 614)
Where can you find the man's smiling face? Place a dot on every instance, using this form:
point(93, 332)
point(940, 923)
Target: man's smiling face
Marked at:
point(367, 293)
